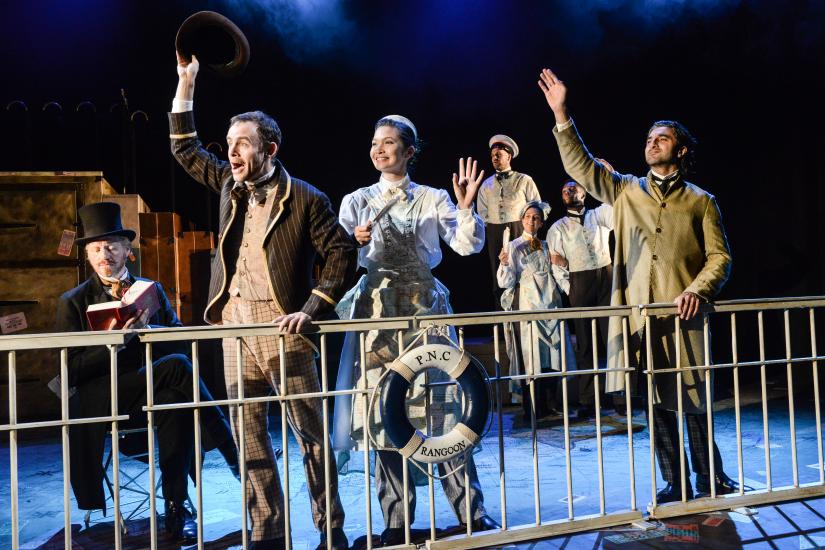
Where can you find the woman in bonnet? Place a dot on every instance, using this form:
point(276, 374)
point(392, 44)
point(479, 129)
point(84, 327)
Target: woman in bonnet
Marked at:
point(398, 225)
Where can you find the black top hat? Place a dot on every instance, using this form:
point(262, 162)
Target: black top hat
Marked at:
point(217, 41)
point(101, 220)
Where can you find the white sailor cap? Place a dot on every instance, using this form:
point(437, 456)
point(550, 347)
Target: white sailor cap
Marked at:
point(505, 141)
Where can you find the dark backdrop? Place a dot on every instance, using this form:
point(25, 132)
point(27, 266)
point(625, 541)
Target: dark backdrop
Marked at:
point(745, 76)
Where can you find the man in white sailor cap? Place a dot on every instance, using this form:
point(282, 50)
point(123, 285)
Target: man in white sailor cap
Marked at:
point(501, 198)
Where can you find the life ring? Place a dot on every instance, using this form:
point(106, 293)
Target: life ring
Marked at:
point(466, 371)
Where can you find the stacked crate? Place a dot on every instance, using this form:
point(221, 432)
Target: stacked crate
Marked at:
point(36, 210)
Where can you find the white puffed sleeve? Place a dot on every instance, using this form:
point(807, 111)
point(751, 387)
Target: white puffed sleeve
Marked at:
point(462, 230)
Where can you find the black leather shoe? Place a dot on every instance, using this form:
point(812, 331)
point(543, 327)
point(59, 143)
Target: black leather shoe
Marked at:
point(724, 485)
point(278, 543)
point(179, 523)
point(339, 540)
point(673, 493)
point(395, 535)
point(485, 523)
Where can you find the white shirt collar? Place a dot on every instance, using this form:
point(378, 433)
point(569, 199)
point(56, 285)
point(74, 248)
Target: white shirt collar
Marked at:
point(664, 177)
point(386, 184)
point(251, 184)
point(528, 236)
point(122, 276)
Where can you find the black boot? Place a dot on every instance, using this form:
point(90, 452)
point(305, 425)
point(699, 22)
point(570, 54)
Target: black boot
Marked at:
point(673, 493)
point(180, 525)
point(724, 485)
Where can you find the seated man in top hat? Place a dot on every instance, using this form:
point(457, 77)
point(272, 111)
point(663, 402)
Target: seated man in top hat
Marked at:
point(108, 245)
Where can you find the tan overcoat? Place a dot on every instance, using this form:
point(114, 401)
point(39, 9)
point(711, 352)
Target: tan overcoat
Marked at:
point(665, 245)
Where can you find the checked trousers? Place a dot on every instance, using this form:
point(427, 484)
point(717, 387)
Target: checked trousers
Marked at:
point(261, 370)
point(666, 434)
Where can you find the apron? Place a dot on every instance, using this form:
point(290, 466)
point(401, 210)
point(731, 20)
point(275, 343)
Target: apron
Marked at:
point(402, 286)
point(537, 289)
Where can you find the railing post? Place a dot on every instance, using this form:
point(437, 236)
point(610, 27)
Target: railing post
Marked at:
point(501, 475)
point(64, 435)
point(709, 403)
point(564, 396)
point(115, 407)
point(597, 400)
point(817, 413)
point(631, 458)
point(650, 398)
point(15, 484)
point(764, 382)
point(791, 411)
point(737, 405)
point(325, 411)
point(285, 440)
point(196, 415)
point(531, 366)
point(366, 419)
point(241, 429)
point(150, 436)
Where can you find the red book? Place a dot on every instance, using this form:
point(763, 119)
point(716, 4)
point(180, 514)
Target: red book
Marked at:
point(141, 295)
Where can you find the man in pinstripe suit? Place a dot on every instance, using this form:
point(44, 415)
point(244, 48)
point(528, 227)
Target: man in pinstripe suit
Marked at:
point(271, 228)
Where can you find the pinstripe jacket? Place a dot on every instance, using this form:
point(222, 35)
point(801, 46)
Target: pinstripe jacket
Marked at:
point(301, 224)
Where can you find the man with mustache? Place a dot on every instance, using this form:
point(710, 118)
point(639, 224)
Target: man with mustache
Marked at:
point(501, 198)
point(582, 238)
point(107, 245)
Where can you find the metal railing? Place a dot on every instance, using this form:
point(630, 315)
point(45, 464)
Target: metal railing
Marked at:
point(541, 526)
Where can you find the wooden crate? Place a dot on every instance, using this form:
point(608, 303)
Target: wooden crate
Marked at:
point(193, 256)
point(157, 247)
point(36, 208)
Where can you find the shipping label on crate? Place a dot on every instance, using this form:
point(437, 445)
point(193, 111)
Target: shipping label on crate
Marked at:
point(66, 242)
point(13, 323)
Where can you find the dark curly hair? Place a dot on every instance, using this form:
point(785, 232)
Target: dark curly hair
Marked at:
point(268, 130)
point(687, 162)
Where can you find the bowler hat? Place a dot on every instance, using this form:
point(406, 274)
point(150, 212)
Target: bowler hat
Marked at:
point(101, 220)
point(217, 41)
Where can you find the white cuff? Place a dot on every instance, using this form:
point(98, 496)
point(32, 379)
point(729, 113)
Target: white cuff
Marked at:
point(564, 125)
point(181, 105)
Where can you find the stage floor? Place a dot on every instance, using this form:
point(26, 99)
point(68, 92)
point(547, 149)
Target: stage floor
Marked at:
point(797, 525)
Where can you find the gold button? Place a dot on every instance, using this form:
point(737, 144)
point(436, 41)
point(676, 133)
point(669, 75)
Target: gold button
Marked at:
point(246, 244)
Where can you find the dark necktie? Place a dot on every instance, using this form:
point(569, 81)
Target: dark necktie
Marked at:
point(579, 217)
point(503, 175)
point(241, 191)
point(663, 183)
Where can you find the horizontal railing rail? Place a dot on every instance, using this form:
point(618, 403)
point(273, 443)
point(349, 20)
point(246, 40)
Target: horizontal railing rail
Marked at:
point(429, 326)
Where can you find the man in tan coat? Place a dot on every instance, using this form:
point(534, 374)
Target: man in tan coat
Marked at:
point(670, 247)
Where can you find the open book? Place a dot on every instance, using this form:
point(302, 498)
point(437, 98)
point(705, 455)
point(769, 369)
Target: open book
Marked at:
point(141, 295)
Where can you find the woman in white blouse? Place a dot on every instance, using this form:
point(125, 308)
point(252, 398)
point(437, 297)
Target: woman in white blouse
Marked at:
point(528, 272)
point(398, 225)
